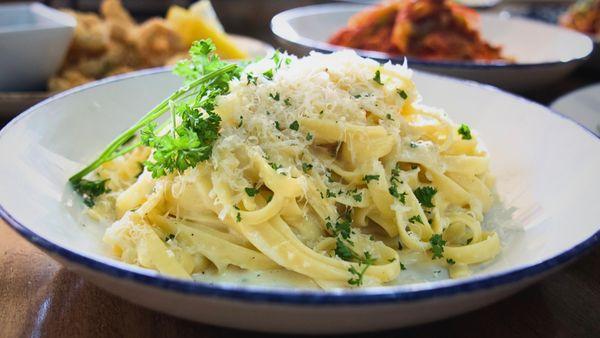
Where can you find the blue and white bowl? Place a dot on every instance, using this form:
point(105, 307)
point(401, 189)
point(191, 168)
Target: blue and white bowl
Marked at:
point(547, 181)
point(542, 53)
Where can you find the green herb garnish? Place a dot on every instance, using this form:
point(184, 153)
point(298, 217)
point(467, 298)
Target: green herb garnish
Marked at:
point(251, 191)
point(465, 132)
point(377, 77)
point(268, 74)
point(190, 141)
point(425, 195)
point(366, 262)
point(306, 167)
point(274, 96)
point(369, 178)
point(295, 126)
point(437, 246)
point(89, 190)
point(402, 93)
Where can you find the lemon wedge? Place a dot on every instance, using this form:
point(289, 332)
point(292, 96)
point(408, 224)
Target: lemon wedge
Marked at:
point(200, 22)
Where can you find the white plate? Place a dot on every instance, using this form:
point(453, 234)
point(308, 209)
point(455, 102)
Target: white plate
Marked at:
point(544, 53)
point(583, 106)
point(547, 179)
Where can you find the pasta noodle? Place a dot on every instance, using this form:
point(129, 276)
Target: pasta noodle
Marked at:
point(329, 169)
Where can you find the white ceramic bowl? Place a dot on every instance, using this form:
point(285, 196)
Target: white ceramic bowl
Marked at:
point(547, 179)
point(583, 106)
point(254, 47)
point(543, 53)
point(33, 41)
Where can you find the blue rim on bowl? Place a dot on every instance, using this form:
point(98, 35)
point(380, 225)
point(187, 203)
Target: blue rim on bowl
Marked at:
point(281, 28)
point(378, 295)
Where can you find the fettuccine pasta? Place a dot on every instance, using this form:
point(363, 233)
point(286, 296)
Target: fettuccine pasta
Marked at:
point(327, 166)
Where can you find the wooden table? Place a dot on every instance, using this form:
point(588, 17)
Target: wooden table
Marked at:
point(40, 298)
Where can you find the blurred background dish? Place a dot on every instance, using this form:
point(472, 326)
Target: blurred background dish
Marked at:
point(112, 42)
point(557, 51)
point(583, 106)
point(33, 42)
point(81, 46)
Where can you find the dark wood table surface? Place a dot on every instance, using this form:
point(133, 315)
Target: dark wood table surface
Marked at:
point(40, 298)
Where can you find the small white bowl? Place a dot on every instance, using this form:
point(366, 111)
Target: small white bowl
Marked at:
point(33, 41)
point(547, 178)
point(543, 53)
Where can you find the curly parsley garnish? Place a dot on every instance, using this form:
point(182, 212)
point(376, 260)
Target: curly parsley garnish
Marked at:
point(191, 137)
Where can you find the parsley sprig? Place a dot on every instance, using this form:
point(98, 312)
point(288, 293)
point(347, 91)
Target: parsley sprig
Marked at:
point(205, 77)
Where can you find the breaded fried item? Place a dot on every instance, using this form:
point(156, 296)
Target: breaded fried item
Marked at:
point(90, 35)
point(120, 24)
point(68, 78)
point(156, 42)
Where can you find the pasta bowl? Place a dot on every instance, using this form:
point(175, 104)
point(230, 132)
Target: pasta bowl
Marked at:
point(546, 216)
point(557, 52)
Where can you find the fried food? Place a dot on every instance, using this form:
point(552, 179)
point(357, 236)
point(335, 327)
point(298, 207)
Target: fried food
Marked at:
point(113, 43)
point(583, 16)
point(426, 29)
point(157, 42)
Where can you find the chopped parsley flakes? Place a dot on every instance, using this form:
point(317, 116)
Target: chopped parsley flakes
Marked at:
point(268, 74)
point(437, 246)
point(425, 195)
point(402, 94)
point(465, 132)
point(251, 191)
point(306, 167)
point(377, 77)
point(295, 126)
point(274, 96)
point(369, 178)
